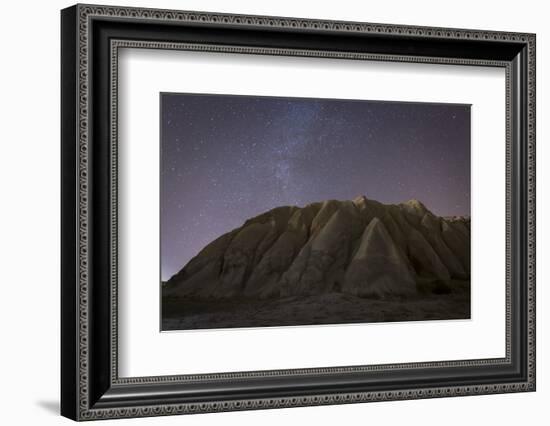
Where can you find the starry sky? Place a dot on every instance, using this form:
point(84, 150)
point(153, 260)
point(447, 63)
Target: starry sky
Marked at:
point(227, 158)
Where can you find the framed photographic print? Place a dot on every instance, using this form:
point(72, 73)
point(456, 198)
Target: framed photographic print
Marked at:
point(263, 212)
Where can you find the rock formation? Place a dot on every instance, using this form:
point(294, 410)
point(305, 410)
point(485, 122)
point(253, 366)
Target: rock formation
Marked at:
point(359, 247)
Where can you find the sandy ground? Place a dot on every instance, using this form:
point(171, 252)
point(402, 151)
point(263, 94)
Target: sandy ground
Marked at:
point(332, 308)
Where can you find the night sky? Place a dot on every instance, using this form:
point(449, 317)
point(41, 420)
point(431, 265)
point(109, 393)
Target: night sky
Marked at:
point(225, 159)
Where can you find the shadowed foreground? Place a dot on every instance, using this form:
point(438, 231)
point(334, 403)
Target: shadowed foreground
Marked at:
point(331, 308)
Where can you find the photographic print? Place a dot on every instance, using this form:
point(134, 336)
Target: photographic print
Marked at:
point(281, 211)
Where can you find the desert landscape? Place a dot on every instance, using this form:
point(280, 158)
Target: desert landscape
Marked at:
point(329, 262)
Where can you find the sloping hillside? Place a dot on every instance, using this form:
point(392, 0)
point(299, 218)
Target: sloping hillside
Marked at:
point(360, 247)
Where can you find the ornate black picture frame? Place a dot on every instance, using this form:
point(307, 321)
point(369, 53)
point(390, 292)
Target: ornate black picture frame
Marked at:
point(90, 385)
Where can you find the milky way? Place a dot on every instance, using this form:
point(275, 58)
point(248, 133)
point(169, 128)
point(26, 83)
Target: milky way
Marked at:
point(225, 159)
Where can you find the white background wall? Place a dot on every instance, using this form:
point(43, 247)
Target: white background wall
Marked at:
point(29, 213)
